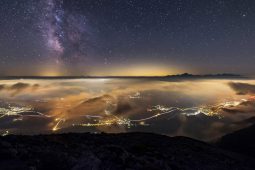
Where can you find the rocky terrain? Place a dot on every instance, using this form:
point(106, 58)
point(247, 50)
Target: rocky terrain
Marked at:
point(115, 151)
point(241, 141)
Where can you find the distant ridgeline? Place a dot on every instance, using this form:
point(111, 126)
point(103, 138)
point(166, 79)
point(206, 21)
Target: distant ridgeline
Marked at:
point(179, 76)
point(224, 75)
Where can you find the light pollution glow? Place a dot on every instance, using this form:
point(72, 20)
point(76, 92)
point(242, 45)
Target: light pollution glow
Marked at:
point(126, 70)
point(138, 70)
point(113, 105)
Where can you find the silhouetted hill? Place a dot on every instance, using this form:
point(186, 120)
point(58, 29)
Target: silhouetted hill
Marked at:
point(115, 151)
point(241, 141)
point(224, 75)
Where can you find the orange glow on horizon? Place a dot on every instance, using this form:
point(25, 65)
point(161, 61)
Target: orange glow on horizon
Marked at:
point(137, 71)
point(132, 70)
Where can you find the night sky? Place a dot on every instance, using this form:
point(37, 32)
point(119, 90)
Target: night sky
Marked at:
point(126, 37)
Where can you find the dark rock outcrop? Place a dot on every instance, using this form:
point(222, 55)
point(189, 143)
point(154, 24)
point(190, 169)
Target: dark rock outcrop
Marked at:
point(115, 151)
point(241, 141)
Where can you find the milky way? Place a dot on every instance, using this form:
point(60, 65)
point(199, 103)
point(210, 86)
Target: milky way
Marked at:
point(126, 37)
point(65, 33)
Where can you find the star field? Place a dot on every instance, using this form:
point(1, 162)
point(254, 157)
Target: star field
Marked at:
point(120, 37)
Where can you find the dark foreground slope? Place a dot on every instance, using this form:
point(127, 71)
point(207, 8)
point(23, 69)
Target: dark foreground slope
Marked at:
point(115, 151)
point(241, 141)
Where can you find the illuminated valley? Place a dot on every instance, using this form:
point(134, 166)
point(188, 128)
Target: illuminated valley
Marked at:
point(119, 105)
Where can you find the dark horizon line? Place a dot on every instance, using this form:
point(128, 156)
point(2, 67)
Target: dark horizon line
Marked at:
point(184, 75)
